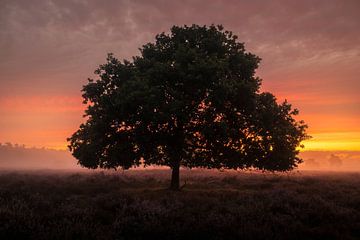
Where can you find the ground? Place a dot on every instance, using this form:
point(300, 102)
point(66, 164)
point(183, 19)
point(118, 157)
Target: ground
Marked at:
point(211, 205)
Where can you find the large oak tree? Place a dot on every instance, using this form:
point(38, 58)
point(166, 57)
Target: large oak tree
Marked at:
point(190, 99)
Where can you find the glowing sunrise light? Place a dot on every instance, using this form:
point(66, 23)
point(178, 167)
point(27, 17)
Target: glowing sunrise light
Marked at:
point(44, 66)
point(346, 141)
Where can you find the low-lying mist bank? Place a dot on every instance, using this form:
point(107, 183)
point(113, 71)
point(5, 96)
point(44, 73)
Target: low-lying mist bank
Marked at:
point(330, 160)
point(22, 158)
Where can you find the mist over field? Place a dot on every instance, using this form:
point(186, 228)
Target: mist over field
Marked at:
point(44, 194)
point(22, 158)
point(14, 156)
point(330, 160)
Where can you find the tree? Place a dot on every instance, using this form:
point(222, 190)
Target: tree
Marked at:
point(190, 99)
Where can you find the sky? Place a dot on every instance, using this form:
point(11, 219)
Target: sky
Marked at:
point(310, 56)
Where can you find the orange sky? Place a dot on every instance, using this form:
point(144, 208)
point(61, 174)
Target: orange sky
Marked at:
point(310, 52)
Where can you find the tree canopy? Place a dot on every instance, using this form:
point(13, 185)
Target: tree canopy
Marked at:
point(192, 98)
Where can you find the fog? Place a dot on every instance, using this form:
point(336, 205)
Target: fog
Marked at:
point(330, 160)
point(14, 156)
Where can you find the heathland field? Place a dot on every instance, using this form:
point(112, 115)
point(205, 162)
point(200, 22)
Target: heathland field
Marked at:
point(211, 205)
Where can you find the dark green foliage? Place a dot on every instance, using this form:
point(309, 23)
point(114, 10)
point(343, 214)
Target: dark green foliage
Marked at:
point(214, 205)
point(190, 99)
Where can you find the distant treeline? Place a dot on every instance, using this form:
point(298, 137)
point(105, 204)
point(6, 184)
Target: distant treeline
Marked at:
point(21, 157)
point(330, 160)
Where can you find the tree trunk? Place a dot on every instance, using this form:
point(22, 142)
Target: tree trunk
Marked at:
point(175, 177)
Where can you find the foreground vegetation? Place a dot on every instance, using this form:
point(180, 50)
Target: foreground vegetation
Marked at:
point(212, 205)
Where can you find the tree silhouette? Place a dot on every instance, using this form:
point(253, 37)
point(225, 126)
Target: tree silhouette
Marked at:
point(190, 99)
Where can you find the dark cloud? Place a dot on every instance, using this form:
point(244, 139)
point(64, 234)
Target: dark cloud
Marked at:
point(46, 34)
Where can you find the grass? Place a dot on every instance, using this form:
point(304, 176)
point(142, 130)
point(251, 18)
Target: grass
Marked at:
point(212, 205)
